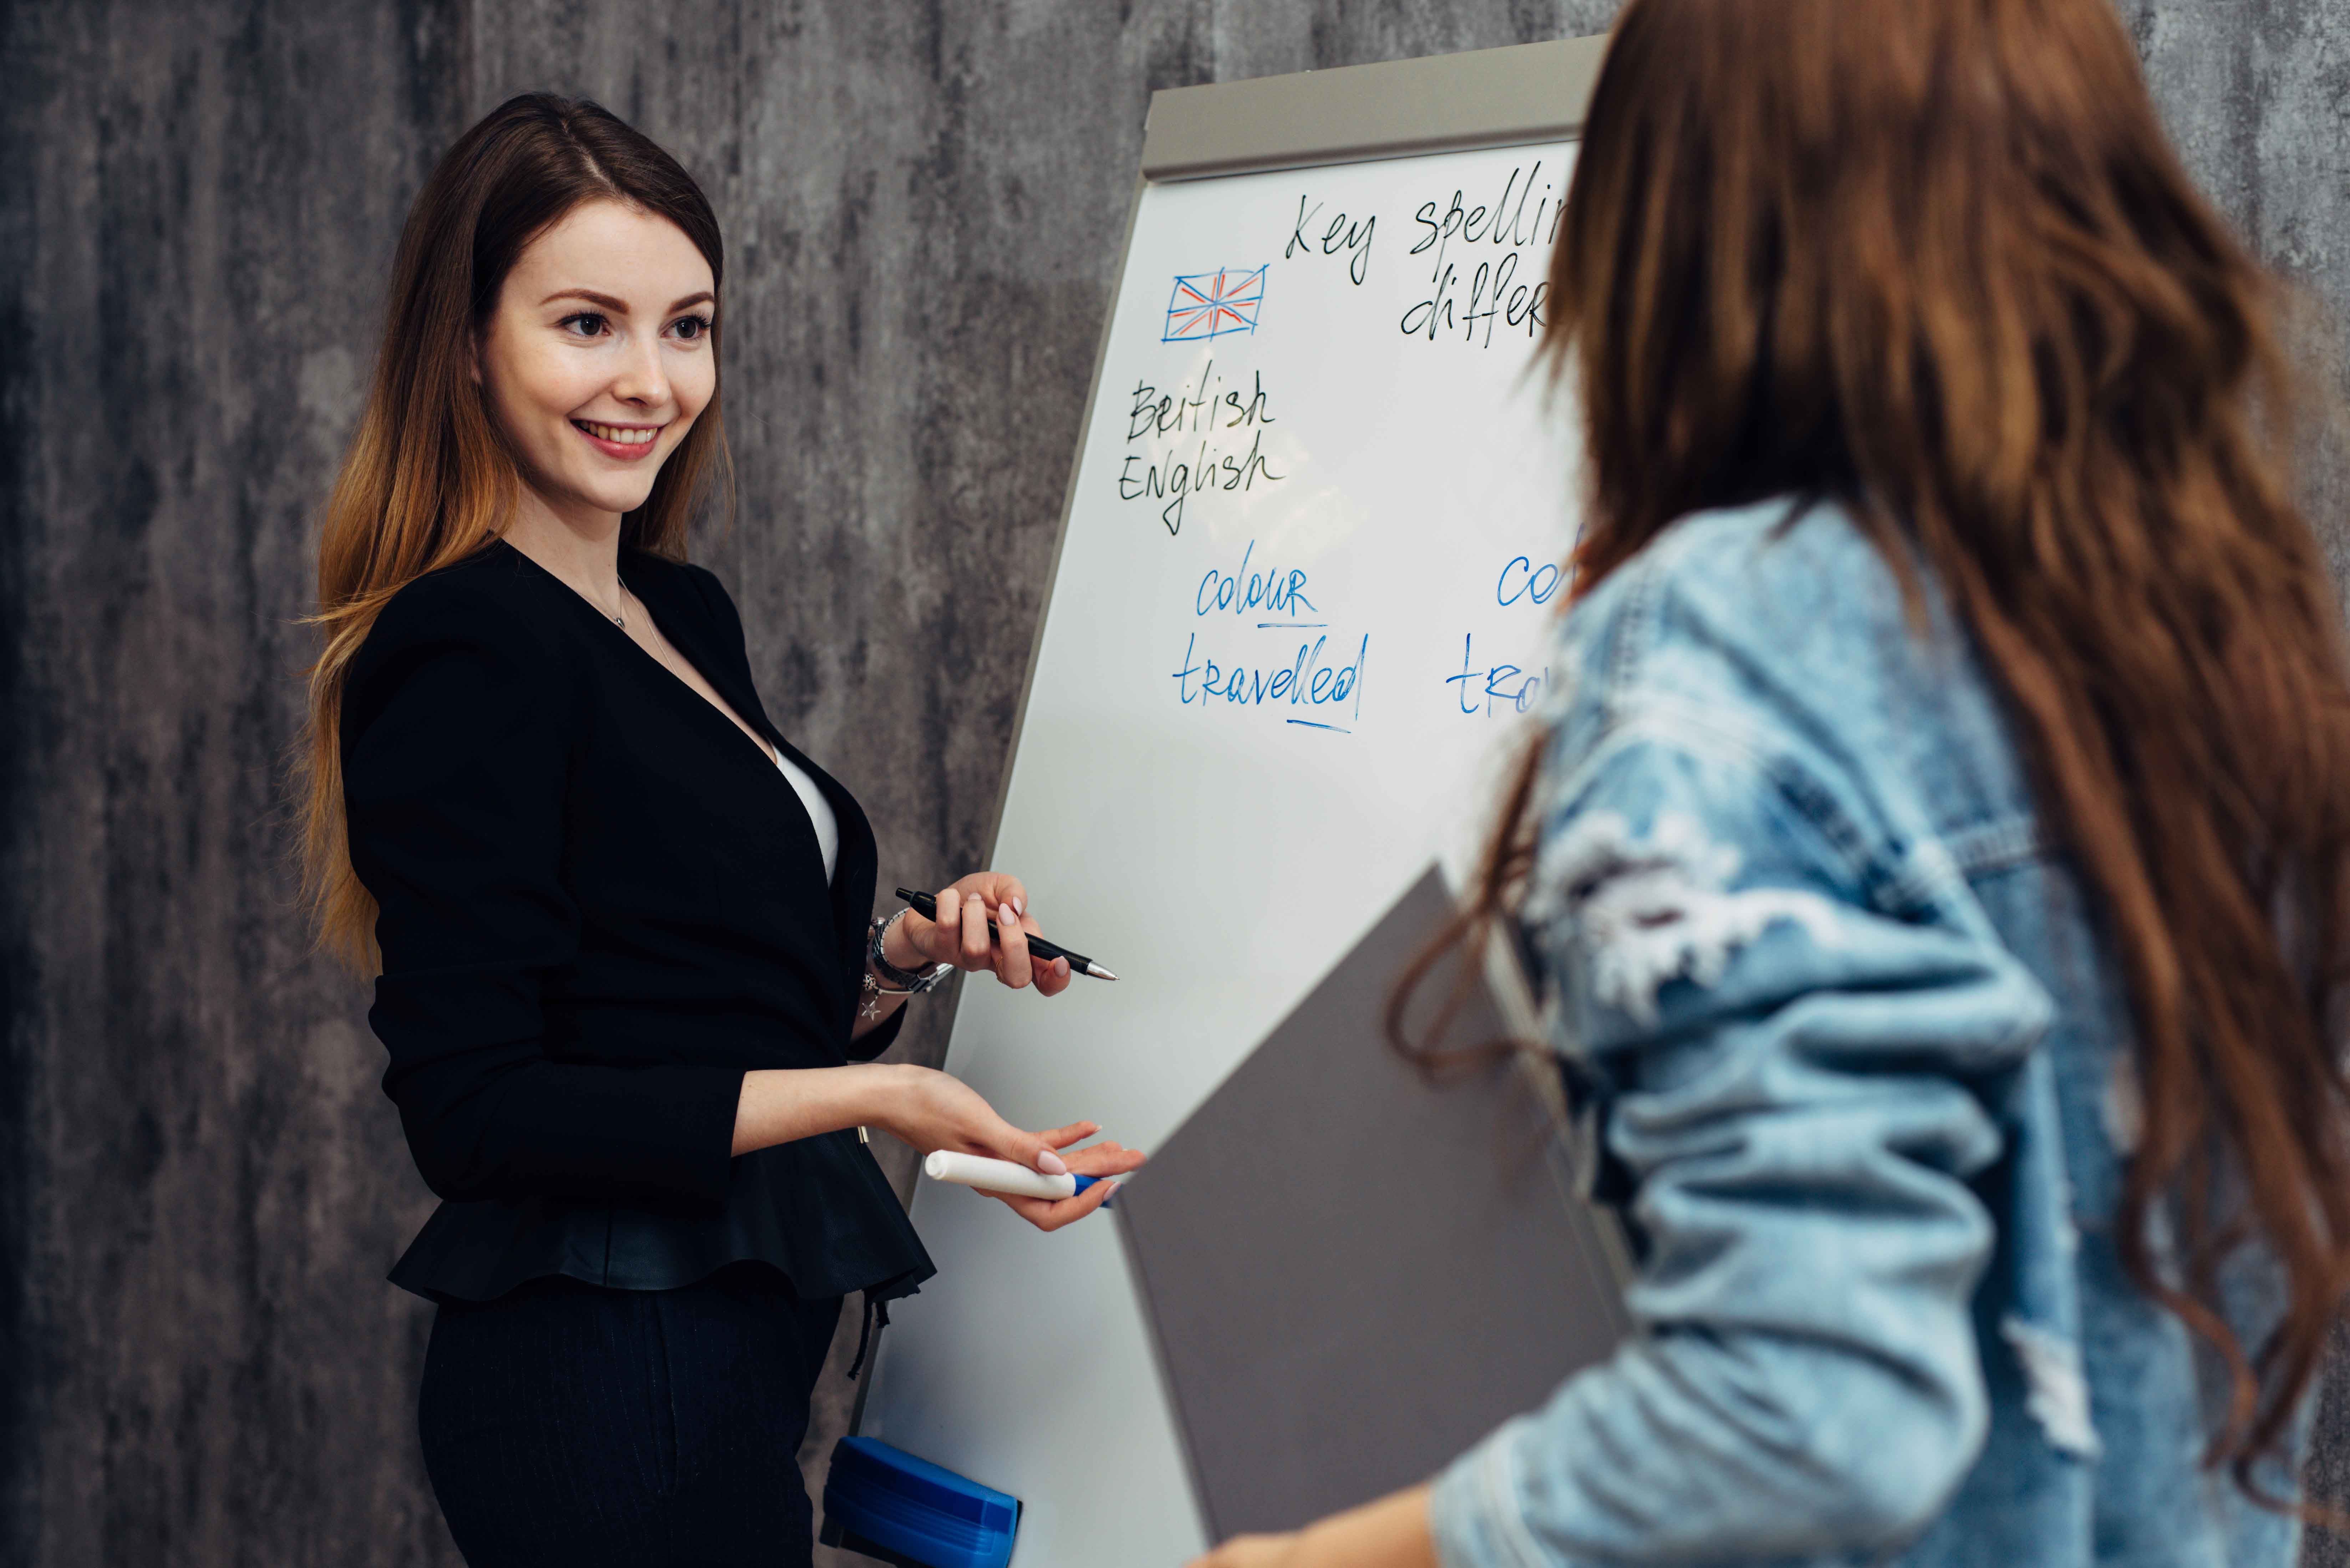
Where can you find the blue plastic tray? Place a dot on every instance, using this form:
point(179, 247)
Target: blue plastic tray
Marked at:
point(889, 1504)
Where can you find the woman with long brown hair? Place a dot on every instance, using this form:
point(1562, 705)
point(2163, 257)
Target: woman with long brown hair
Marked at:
point(1938, 858)
point(626, 967)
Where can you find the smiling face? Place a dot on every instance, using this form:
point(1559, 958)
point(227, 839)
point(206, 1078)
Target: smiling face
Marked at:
point(599, 358)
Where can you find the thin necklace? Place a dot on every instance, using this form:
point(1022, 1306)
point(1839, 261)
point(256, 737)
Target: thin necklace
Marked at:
point(617, 617)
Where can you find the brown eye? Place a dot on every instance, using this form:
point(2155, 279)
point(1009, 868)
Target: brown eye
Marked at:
point(691, 328)
point(587, 324)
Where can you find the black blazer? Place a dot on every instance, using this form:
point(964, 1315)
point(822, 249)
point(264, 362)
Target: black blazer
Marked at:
point(600, 904)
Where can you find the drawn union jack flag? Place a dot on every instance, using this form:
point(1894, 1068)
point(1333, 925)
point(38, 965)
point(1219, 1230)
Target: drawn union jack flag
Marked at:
point(1209, 304)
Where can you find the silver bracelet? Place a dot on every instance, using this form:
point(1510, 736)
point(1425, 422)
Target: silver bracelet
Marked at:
point(908, 983)
point(870, 1009)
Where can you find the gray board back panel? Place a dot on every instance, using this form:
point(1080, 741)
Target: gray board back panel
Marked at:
point(1486, 97)
point(1352, 1275)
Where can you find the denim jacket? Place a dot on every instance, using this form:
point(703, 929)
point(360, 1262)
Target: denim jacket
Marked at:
point(1864, 1063)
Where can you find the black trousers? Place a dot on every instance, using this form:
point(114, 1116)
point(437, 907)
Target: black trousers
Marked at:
point(564, 1423)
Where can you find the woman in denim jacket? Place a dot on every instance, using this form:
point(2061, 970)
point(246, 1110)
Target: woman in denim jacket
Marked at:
point(1939, 850)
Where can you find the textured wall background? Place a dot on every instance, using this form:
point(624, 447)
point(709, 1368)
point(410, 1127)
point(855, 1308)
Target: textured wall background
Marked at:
point(200, 1186)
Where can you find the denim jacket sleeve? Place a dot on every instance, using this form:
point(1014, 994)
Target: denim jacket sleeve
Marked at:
point(1798, 1086)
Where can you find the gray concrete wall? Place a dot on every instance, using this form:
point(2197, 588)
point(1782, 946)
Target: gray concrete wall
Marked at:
point(200, 1186)
point(2257, 99)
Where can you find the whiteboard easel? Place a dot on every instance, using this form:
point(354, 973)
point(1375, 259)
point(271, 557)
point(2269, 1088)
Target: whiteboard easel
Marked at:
point(1299, 609)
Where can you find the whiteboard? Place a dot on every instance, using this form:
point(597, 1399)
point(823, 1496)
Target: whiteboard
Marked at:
point(1301, 609)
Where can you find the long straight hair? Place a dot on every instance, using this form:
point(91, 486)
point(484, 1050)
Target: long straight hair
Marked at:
point(1935, 260)
point(428, 479)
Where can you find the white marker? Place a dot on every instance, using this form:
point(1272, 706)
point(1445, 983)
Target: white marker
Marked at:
point(1002, 1175)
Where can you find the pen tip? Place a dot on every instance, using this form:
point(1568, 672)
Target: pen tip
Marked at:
point(1098, 972)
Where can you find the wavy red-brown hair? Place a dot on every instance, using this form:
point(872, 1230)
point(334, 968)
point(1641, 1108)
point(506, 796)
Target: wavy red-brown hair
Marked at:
point(428, 480)
point(1935, 260)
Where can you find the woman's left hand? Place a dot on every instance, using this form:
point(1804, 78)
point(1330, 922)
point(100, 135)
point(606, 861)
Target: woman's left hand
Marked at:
point(982, 901)
point(1103, 1159)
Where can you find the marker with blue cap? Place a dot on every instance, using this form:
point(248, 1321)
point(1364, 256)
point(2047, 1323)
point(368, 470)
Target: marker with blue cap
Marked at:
point(1003, 1176)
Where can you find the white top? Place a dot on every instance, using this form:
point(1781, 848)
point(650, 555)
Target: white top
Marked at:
point(819, 810)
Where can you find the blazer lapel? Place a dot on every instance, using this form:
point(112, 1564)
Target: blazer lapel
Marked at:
point(690, 626)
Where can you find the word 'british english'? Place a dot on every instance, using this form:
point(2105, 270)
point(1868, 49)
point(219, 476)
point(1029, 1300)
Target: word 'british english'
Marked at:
point(1215, 463)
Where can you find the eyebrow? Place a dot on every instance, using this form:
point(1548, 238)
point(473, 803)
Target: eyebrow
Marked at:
point(622, 306)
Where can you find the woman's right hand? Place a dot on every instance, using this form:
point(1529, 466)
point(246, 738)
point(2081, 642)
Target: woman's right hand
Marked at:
point(934, 1110)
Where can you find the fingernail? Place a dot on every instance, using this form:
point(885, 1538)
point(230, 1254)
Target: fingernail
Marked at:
point(1019, 904)
point(1051, 1164)
point(1007, 914)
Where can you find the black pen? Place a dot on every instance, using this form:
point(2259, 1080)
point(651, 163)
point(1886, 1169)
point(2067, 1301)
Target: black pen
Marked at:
point(928, 907)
